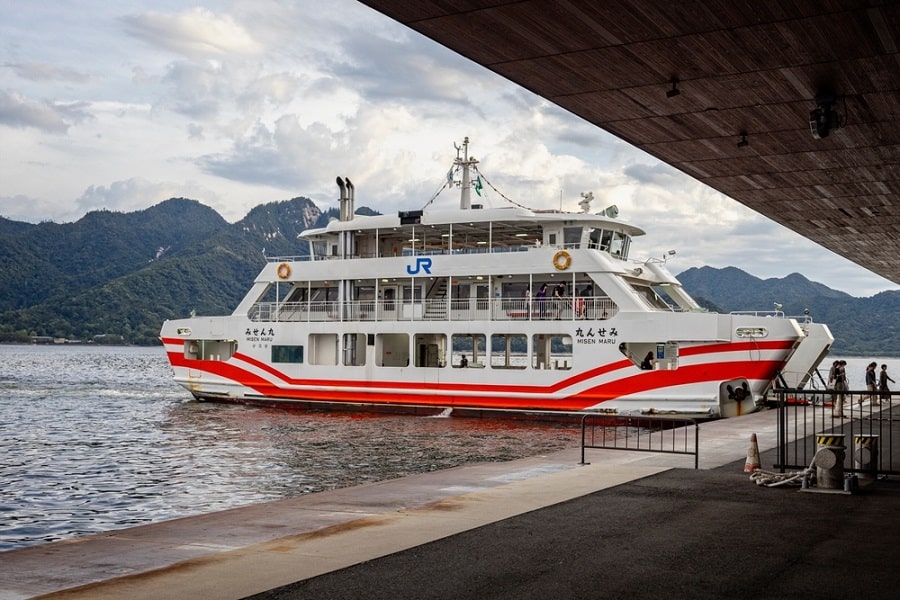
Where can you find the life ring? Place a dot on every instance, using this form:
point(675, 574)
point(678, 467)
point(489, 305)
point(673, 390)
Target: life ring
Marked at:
point(562, 260)
point(284, 270)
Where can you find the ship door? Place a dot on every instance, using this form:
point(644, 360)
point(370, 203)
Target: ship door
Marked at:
point(482, 297)
point(389, 303)
point(354, 345)
point(431, 350)
point(541, 345)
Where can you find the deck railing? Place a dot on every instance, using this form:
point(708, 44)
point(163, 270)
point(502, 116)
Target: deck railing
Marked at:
point(480, 309)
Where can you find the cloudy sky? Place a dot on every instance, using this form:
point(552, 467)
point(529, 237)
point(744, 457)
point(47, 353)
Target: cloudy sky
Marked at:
point(121, 105)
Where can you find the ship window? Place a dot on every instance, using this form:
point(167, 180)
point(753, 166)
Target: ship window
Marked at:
point(470, 345)
point(516, 300)
point(509, 351)
point(551, 351)
point(617, 246)
point(209, 349)
point(752, 332)
point(651, 297)
point(392, 349)
point(412, 294)
point(298, 294)
point(459, 300)
point(605, 239)
point(287, 354)
point(572, 237)
point(323, 349)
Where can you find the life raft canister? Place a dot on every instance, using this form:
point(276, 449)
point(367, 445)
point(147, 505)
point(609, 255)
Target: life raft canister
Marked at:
point(284, 270)
point(562, 260)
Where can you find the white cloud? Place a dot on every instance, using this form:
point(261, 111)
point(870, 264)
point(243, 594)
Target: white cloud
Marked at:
point(37, 71)
point(195, 33)
point(135, 194)
point(239, 102)
point(24, 208)
point(51, 117)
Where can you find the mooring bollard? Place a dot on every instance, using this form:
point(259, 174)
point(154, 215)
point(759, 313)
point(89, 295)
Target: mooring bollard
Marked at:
point(866, 455)
point(829, 461)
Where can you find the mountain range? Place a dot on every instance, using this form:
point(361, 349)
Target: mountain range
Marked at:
point(117, 276)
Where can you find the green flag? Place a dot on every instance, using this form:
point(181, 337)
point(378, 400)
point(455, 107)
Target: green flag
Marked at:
point(478, 185)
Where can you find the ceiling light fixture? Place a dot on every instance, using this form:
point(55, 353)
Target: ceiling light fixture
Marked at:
point(823, 118)
point(674, 91)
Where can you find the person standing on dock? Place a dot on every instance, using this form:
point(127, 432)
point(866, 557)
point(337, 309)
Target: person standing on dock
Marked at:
point(883, 379)
point(870, 383)
point(831, 371)
point(840, 386)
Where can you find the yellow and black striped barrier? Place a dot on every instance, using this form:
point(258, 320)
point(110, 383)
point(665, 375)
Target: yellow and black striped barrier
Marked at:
point(826, 440)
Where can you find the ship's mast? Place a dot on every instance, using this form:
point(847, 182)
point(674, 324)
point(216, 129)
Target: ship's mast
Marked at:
point(465, 163)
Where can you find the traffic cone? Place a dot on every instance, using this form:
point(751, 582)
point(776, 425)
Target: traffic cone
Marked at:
point(752, 463)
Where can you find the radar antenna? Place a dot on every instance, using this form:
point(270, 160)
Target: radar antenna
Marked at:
point(585, 204)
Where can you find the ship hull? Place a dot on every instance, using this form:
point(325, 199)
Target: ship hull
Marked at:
point(701, 378)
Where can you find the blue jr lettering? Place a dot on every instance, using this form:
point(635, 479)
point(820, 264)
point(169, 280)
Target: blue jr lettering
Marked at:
point(423, 263)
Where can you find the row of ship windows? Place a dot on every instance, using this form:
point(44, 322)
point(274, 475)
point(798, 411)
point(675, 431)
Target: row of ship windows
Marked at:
point(499, 351)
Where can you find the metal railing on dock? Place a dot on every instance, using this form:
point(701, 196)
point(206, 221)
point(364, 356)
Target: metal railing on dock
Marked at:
point(669, 435)
point(859, 416)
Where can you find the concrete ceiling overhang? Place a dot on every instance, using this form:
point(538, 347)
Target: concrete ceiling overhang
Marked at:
point(745, 72)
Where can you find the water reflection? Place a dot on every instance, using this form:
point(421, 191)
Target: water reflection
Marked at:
point(96, 439)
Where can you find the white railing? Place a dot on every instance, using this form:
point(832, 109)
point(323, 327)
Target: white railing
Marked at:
point(473, 309)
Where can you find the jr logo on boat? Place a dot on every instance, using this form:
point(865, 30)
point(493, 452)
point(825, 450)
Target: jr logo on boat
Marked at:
point(422, 263)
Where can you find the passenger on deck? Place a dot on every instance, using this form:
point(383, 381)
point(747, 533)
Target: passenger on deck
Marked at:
point(559, 293)
point(588, 292)
point(463, 362)
point(542, 301)
point(647, 364)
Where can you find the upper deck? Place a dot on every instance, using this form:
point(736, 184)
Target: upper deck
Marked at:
point(467, 231)
point(469, 263)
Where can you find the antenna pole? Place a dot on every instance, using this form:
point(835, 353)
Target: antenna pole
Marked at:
point(465, 189)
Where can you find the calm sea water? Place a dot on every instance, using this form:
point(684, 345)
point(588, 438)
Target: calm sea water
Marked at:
point(94, 439)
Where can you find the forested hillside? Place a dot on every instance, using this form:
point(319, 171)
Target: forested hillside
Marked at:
point(861, 326)
point(112, 274)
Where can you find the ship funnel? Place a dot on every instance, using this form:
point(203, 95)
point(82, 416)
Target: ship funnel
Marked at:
point(351, 198)
point(345, 202)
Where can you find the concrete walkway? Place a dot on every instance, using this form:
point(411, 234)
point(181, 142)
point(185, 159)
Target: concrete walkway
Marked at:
point(333, 542)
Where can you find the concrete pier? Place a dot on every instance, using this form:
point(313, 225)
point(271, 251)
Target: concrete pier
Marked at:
point(627, 525)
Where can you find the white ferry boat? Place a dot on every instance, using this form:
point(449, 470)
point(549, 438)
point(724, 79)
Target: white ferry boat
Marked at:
point(478, 310)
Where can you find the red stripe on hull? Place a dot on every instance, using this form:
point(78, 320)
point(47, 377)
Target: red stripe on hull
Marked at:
point(721, 371)
point(443, 394)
